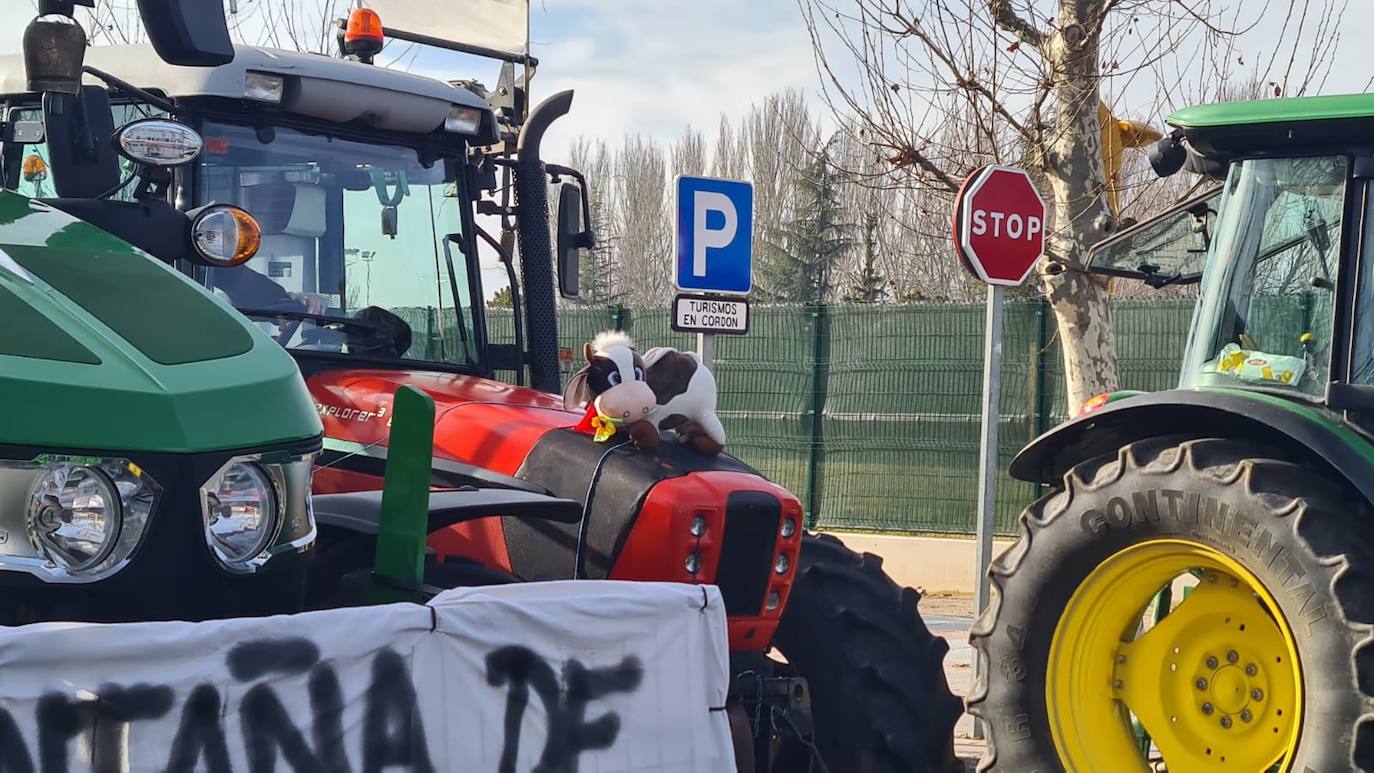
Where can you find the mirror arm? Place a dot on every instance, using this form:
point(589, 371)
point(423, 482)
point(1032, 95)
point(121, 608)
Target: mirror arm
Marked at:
point(449, 241)
point(161, 103)
point(504, 255)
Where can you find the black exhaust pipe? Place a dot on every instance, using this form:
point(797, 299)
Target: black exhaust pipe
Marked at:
point(536, 247)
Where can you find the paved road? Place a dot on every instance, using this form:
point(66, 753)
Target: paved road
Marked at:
point(958, 670)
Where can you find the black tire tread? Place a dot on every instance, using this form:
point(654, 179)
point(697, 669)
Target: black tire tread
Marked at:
point(879, 693)
point(1335, 525)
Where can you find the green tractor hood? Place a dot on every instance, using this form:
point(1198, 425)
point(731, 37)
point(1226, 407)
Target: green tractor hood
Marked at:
point(103, 348)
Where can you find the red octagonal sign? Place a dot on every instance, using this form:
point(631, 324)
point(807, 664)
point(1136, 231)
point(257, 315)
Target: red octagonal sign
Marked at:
point(999, 225)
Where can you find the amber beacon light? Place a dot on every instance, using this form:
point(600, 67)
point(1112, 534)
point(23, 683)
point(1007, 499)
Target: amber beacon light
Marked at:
point(363, 37)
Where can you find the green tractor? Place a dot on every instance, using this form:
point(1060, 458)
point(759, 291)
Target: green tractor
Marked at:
point(1198, 591)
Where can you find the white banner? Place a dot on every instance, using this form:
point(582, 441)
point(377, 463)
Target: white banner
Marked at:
point(499, 24)
point(565, 677)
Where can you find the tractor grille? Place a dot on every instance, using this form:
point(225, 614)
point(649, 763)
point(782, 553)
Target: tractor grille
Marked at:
point(746, 556)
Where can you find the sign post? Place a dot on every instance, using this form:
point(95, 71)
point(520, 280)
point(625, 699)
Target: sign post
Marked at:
point(999, 234)
point(714, 265)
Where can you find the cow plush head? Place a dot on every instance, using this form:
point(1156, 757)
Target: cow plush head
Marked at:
point(611, 385)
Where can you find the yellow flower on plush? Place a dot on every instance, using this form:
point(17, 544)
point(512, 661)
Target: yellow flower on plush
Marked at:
point(604, 428)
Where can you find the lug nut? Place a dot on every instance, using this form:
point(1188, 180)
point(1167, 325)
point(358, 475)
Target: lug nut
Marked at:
point(1201, 683)
point(1116, 685)
point(1245, 715)
point(1121, 658)
point(1251, 669)
point(1206, 708)
point(1211, 662)
point(1232, 656)
point(1257, 694)
point(1226, 723)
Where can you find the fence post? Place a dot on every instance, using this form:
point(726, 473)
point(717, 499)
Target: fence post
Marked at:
point(618, 316)
point(1042, 386)
point(820, 383)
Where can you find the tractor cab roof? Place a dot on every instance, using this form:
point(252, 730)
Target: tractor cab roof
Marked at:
point(315, 86)
point(1279, 127)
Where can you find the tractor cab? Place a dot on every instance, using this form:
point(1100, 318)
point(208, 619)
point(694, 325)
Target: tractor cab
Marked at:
point(363, 180)
point(1277, 250)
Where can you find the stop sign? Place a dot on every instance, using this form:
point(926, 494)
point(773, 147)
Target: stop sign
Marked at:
point(999, 225)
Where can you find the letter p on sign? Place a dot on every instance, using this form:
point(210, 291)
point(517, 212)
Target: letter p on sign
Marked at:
point(703, 236)
point(715, 236)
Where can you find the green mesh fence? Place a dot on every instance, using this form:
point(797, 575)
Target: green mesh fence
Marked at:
point(869, 414)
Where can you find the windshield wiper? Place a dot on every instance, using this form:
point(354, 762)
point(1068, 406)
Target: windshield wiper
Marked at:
point(308, 316)
point(1150, 276)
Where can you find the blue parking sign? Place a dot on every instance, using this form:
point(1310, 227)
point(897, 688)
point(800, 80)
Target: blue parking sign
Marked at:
point(715, 236)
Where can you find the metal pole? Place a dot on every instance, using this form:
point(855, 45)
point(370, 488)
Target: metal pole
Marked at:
point(706, 347)
point(987, 459)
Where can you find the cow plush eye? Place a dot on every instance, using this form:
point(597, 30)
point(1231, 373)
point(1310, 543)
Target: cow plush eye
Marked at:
point(614, 378)
point(639, 374)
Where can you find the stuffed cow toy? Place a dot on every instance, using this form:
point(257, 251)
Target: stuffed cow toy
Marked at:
point(663, 391)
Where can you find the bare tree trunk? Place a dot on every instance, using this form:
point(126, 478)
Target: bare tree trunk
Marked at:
point(1073, 168)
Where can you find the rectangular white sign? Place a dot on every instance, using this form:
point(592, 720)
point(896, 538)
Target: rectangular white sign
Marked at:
point(595, 677)
point(695, 314)
point(499, 24)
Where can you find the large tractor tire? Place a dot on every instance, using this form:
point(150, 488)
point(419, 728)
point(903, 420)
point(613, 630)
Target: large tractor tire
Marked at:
point(876, 674)
point(1264, 572)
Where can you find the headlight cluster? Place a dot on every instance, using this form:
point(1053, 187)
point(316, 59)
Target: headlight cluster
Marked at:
point(83, 517)
point(257, 506)
point(75, 519)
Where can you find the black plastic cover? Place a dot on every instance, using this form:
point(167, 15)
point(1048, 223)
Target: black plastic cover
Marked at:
point(191, 33)
point(564, 462)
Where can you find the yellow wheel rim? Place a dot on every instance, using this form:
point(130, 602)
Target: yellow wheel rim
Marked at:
point(1216, 683)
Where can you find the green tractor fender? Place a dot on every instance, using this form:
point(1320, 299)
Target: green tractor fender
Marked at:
point(1304, 433)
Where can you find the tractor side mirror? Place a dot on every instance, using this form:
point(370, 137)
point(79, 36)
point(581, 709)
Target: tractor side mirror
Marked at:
point(191, 33)
point(83, 160)
point(570, 239)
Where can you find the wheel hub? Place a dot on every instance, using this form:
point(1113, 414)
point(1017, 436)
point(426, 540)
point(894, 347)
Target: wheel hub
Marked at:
point(1212, 683)
point(1230, 690)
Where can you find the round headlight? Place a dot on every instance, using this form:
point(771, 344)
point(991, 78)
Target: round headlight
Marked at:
point(240, 509)
point(159, 142)
point(225, 235)
point(74, 516)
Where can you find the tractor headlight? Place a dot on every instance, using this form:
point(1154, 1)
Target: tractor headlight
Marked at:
point(68, 519)
point(255, 507)
point(463, 120)
point(240, 509)
point(74, 516)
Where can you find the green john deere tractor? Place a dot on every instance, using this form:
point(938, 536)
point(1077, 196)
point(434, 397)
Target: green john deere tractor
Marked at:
point(1198, 592)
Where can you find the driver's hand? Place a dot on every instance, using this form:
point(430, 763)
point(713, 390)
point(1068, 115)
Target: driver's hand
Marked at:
point(314, 304)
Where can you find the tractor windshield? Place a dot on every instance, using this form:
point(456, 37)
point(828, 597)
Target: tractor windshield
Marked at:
point(1265, 316)
point(362, 248)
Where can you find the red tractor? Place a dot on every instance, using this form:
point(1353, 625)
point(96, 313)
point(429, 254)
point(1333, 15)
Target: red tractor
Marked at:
point(368, 184)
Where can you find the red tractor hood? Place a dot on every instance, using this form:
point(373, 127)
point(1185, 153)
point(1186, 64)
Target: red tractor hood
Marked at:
point(478, 421)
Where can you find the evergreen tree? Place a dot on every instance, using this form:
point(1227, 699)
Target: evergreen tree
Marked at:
point(501, 299)
point(869, 285)
point(799, 256)
point(598, 270)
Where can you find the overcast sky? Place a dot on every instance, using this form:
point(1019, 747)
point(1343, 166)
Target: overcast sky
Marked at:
point(657, 66)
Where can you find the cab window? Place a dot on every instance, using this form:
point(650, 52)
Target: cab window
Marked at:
point(361, 250)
